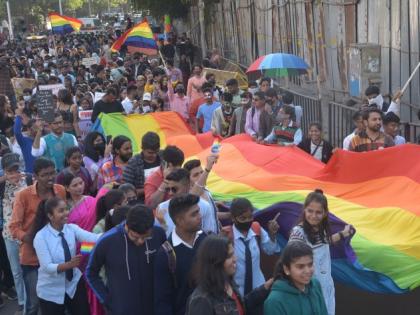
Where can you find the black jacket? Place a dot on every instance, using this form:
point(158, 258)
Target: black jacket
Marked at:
point(327, 149)
point(200, 302)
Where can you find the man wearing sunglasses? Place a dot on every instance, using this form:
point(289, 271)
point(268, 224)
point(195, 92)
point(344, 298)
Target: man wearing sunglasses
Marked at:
point(178, 183)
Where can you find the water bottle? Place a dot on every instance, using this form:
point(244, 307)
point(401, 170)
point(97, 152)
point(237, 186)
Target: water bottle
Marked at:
point(215, 148)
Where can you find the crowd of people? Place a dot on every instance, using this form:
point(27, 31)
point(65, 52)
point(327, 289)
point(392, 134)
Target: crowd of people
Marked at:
point(89, 227)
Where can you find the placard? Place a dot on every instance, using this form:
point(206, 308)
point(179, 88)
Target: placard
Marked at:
point(52, 87)
point(87, 62)
point(45, 105)
point(85, 123)
point(19, 84)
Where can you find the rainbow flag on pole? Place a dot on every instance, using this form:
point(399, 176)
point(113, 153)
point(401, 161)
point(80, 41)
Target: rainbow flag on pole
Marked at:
point(61, 24)
point(86, 248)
point(139, 38)
point(370, 191)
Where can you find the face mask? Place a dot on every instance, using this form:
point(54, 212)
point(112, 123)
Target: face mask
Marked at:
point(133, 202)
point(377, 100)
point(100, 147)
point(252, 90)
point(243, 226)
point(26, 98)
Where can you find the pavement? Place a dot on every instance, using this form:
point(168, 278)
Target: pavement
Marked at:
point(9, 308)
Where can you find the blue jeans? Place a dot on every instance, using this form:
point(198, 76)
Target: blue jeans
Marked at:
point(12, 248)
point(30, 277)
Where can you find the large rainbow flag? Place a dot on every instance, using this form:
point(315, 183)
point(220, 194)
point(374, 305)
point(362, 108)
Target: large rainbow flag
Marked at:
point(63, 24)
point(138, 38)
point(377, 192)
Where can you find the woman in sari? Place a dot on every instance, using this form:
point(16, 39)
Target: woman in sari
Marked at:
point(83, 213)
point(82, 207)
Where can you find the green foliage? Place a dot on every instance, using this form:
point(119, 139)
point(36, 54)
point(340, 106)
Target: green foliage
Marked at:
point(158, 8)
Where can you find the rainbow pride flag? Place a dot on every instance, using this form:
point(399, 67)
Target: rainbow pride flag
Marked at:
point(86, 248)
point(376, 192)
point(139, 38)
point(63, 24)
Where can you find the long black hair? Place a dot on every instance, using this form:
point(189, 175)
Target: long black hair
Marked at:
point(324, 231)
point(107, 202)
point(292, 251)
point(45, 207)
point(90, 150)
point(209, 267)
point(69, 153)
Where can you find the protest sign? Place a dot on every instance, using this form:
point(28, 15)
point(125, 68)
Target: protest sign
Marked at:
point(19, 84)
point(45, 105)
point(52, 87)
point(87, 62)
point(85, 123)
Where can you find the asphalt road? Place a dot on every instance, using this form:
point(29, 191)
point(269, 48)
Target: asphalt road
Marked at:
point(9, 308)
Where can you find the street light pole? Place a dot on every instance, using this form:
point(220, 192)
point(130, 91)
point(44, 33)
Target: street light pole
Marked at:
point(61, 9)
point(90, 8)
point(9, 17)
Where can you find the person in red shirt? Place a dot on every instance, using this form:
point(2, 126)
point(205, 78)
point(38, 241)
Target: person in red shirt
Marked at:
point(156, 185)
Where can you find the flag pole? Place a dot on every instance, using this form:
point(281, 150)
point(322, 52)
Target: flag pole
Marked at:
point(410, 78)
point(161, 57)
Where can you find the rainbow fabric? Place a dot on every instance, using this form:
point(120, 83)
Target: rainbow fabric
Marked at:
point(86, 248)
point(139, 38)
point(376, 192)
point(63, 24)
point(167, 26)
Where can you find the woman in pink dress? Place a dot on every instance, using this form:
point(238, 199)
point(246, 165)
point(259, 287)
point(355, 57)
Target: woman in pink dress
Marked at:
point(195, 83)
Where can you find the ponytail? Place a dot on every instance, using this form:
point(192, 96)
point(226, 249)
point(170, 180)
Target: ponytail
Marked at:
point(45, 207)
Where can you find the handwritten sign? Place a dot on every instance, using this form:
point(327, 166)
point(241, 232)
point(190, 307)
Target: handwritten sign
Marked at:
point(52, 87)
point(87, 62)
point(45, 105)
point(85, 124)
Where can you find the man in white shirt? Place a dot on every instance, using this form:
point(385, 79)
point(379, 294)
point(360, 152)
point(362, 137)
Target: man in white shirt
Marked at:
point(358, 123)
point(178, 183)
point(55, 144)
point(130, 103)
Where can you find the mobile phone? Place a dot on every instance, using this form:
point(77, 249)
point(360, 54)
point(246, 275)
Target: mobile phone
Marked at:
point(108, 139)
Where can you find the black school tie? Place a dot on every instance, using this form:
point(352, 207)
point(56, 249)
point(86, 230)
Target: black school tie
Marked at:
point(248, 267)
point(67, 256)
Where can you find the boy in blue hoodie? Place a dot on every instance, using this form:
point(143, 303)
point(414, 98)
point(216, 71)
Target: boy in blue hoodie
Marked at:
point(127, 252)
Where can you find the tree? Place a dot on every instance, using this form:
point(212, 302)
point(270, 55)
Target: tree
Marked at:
point(158, 8)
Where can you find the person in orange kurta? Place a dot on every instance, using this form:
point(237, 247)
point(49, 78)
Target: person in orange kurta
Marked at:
point(23, 217)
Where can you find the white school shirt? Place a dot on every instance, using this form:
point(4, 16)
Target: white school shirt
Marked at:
point(52, 285)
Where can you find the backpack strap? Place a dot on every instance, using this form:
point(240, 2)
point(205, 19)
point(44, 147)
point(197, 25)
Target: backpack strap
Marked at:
point(170, 253)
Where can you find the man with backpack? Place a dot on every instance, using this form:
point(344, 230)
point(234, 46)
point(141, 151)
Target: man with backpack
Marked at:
point(248, 237)
point(127, 252)
point(174, 260)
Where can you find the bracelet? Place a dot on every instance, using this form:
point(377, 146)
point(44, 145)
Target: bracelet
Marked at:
point(208, 171)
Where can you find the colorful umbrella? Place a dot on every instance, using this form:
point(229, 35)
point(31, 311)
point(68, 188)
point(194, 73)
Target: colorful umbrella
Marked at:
point(278, 65)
